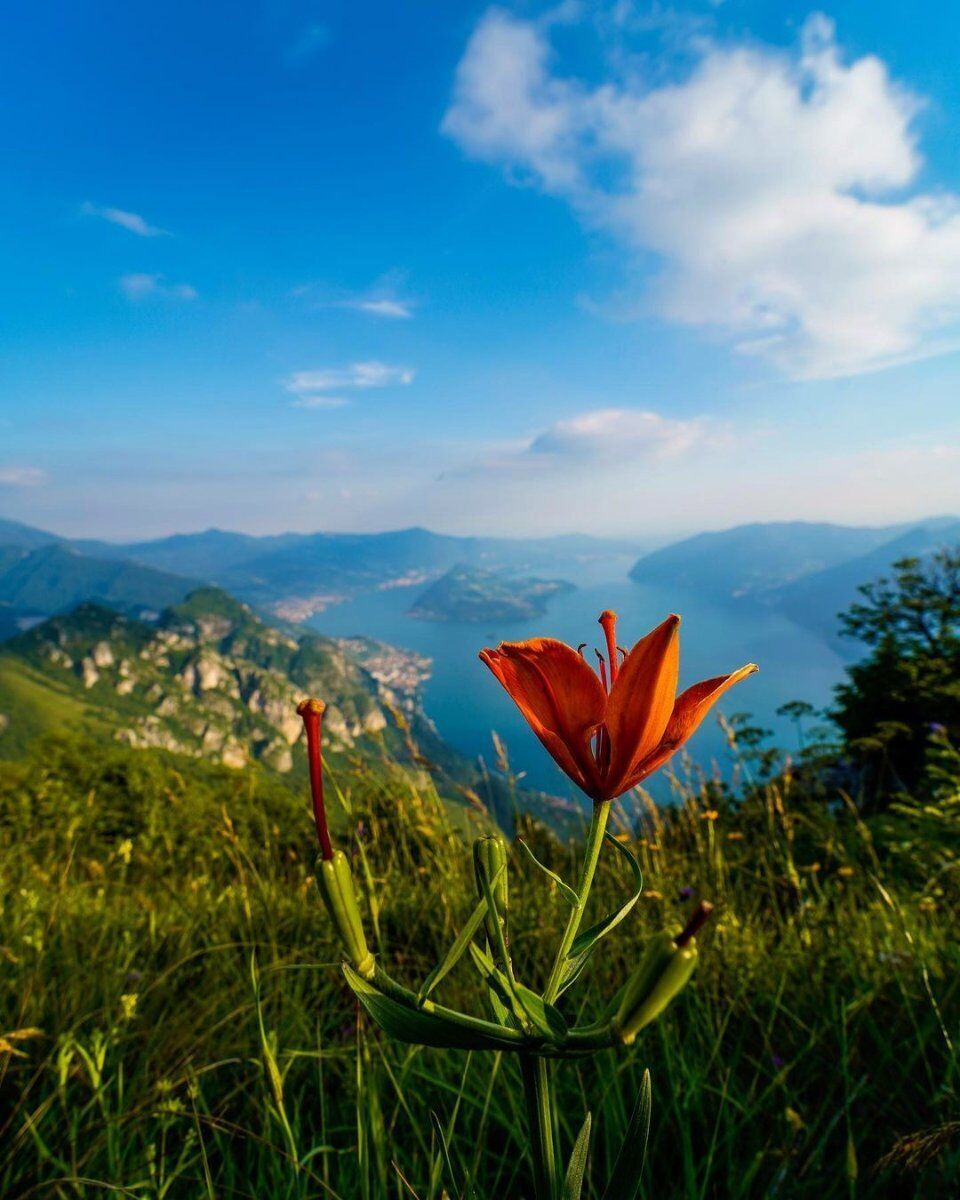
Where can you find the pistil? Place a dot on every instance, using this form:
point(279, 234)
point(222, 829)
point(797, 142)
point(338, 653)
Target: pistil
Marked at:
point(608, 621)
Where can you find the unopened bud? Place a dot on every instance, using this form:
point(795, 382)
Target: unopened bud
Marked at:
point(664, 971)
point(335, 883)
point(490, 863)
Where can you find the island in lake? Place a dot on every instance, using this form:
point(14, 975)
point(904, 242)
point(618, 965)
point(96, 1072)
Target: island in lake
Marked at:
point(472, 594)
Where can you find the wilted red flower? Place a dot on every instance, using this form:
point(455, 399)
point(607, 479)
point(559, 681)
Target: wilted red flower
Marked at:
point(607, 731)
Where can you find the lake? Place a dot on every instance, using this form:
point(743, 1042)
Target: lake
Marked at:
point(466, 702)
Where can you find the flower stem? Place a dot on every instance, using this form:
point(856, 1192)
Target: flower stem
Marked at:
point(536, 1086)
point(598, 824)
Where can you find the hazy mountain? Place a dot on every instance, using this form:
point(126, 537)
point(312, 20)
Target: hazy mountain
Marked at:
point(815, 600)
point(293, 574)
point(300, 565)
point(752, 559)
point(12, 533)
point(55, 577)
point(207, 555)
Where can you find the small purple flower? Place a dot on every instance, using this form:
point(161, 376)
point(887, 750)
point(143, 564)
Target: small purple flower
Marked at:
point(777, 1061)
point(685, 893)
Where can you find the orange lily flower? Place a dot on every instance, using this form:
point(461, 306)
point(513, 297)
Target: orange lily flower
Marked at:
point(607, 730)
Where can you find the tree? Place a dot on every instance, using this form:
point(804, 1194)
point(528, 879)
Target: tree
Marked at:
point(908, 687)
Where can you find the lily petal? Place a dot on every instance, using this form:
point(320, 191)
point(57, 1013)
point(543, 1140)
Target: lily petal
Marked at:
point(642, 699)
point(560, 697)
point(688, 712)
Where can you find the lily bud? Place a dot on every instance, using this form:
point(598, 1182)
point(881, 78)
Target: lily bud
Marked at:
point(489, 857)
point(664, 971)
point(332, 869)
point(335, 884)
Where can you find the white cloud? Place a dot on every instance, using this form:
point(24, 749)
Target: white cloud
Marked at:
point(20, 476)
point(130, 221)
point(313, 388)
point(773, 187)
point(397, 310)
point(141, 286)
point(621, 433)
point(618, 439)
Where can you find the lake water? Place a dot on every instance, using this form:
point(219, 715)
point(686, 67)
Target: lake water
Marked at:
point(466, 702)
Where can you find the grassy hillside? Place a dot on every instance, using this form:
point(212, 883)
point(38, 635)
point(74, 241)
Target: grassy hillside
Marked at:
point(209, 679)
point(175, 1023)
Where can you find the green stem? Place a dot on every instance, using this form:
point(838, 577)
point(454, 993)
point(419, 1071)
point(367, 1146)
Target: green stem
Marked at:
point(598, 824)
point(536, 1086)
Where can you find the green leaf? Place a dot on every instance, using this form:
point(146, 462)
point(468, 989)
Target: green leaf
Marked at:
point(566, 891)
point(585, 941)
point(526, 1005)
point(548, 1020)
point(445, 1151)
point(457, 950)
point(501, 988)
point(573, 1182)
point(625, 1181)
point(417, 1026)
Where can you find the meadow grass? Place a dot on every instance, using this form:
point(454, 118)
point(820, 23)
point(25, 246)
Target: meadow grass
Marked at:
point(173, 1022)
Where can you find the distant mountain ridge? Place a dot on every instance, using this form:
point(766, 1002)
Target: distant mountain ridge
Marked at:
point(48, 578)
point(810, 572)
point(293, 575)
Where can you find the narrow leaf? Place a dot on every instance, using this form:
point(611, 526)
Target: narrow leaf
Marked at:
point(625, 1181)
point(417, 1026)
point(445, 1151)
point(457, 950)
point(548, 1020)
point(566, 891)
point(573, 1183)
point(585, 941)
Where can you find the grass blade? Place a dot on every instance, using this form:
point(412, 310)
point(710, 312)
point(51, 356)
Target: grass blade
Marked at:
point(625, 1181)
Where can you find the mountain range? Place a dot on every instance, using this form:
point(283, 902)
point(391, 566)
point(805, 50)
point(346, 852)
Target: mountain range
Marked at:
point(293, 575)
point(808, 571)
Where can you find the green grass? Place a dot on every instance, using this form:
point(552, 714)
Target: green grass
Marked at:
point(35, 706)
point(176, 1024)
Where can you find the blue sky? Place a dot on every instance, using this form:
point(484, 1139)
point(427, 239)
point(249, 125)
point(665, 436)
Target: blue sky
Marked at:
point(620, 268)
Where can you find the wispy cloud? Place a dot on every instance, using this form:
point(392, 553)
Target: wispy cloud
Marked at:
point(16, 476)
point(383, 299)
point(317, 400)
point(320, 388)
point(143, 286)
point(396, 310)
point(772, 186)
point(130, 221)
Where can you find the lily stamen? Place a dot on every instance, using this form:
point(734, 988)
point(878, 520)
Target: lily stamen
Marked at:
point(603, 671)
